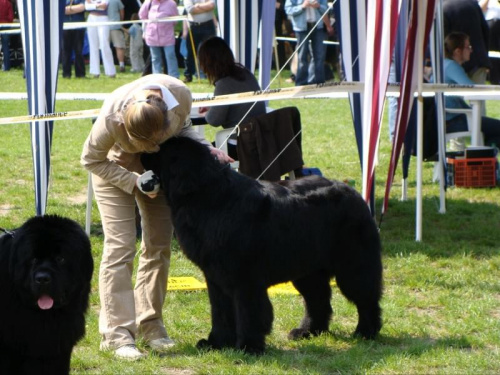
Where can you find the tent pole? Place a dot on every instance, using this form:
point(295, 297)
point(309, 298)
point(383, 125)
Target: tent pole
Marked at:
point(420, 112)
point(88, 216)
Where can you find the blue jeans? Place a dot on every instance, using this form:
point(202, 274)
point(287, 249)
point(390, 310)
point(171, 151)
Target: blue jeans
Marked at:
point(156, 61)
point(318, 54)
point(6, 51)
point(200, 33)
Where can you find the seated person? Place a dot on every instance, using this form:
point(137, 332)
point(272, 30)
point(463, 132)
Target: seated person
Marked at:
point(457, 51)
point(228, 77)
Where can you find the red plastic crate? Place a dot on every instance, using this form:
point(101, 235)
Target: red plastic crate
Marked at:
point(473, 172)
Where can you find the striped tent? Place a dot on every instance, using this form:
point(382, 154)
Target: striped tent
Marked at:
point(245, 25)
point(41, 25)
point(422, 15)
point(367, 33)
point(382, 21)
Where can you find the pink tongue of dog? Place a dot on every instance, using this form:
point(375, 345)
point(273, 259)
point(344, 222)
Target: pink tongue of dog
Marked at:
point(45, 302)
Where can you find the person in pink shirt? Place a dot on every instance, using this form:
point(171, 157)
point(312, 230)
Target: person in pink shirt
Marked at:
point(160, 35)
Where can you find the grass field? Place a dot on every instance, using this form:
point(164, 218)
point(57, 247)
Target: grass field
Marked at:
point(441, 307)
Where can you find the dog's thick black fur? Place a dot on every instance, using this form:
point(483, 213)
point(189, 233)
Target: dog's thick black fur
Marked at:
point(45, 272)
point(247, 235)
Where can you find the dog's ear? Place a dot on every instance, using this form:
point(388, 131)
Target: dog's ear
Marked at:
point(5, 243)
point(6, 250)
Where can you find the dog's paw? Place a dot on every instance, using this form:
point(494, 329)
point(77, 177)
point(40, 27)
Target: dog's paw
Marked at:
point(204, 344)
point(298, 334)
point(366, 333)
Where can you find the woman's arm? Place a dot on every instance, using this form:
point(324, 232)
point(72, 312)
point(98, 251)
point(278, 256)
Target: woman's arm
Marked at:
point(455, 73)
point(74, 9)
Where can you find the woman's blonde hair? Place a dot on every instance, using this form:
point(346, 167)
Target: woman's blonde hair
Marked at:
point(146, 120)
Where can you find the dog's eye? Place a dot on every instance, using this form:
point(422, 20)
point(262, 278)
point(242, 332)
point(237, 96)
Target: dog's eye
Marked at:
point(60, 260)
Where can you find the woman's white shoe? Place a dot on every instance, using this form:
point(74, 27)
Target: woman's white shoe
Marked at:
point(129, 352)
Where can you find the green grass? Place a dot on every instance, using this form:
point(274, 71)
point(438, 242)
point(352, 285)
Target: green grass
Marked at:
point(441, 307)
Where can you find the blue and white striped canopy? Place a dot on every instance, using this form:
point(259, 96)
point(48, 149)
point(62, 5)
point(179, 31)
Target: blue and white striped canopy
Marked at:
point(41, 25)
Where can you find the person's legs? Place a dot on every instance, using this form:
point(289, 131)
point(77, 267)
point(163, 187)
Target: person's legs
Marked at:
point(189, 70)
point(319, 53)
point(104, 46)
point(136, 54)
point(79, 36)
point(93, 38)
point(6, 51)
point(280, 45)
point(154, 263)
point(491, 131)
point(393, 102)
point(67, 47)
point(156, 60)
point(117, 318)
point(303, 63)
point(172, 64)
point(205, 31)
point(118, 40)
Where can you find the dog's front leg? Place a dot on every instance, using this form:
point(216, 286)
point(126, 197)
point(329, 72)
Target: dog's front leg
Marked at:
point(223, 333)
point(254, 318)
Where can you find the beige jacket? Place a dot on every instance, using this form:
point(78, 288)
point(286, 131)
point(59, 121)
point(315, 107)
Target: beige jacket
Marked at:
point(107, 151)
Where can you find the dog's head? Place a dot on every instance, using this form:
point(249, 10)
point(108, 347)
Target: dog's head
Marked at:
point(185, 166)
point(50, 263)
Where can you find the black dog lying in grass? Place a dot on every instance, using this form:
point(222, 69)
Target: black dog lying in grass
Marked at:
point(45, 272)
point(247, 235)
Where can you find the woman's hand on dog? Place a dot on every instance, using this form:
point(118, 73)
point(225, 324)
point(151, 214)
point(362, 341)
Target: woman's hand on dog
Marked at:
point(221, 156)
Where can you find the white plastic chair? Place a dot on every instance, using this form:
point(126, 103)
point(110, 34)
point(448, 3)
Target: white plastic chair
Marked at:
point(468, 113)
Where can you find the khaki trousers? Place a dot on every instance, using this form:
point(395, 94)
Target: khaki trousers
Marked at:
point(128, 311)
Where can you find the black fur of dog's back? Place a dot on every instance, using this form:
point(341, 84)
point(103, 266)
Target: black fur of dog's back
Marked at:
point(247, 235)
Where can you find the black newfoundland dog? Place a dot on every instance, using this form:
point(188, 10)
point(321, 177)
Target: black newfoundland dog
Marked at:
point(247, 235)
point(45, 271)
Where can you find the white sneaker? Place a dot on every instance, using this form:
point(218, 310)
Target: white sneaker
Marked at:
point(129, 352)
point(161, 344)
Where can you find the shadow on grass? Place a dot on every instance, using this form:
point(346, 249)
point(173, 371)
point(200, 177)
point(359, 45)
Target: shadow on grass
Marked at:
point(356, 356)
point(467, 227)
